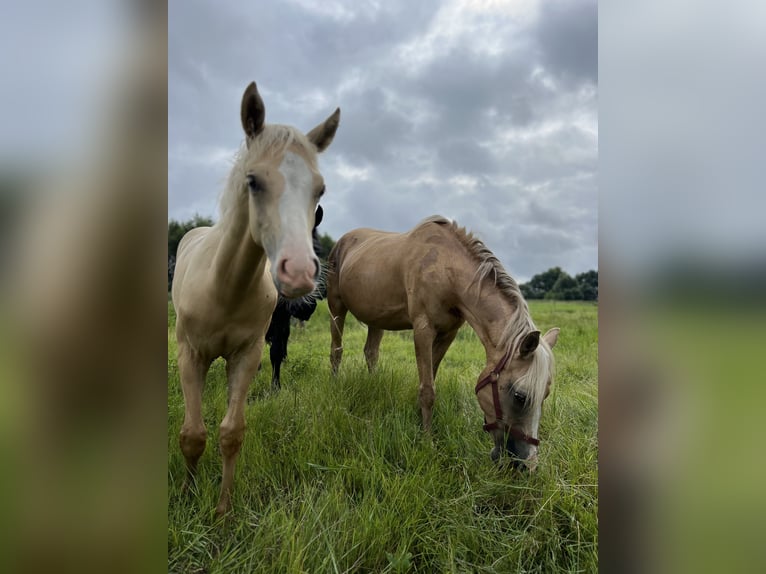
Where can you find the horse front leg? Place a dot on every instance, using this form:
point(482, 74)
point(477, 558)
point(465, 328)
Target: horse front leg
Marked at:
point(192, 369)
point(441, 343)
point(424, 338)
point(278, 352)
point(241, 369)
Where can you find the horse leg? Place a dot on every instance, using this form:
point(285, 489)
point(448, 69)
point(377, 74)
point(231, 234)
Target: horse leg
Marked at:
point(192, 370)
point(372, 347)
point(277, 357)
point(441, 343)
point(278, 352)
point(337, 321)
point(240, 369)
point(424, 338)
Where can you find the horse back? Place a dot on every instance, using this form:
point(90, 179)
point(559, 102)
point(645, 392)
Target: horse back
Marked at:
point(188, 248)
point(188, 242)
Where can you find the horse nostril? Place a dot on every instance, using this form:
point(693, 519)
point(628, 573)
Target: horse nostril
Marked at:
point(316, 267)
point(283, 266)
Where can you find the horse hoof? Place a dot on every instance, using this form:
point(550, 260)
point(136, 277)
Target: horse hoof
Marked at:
point(221, 510)
point(187, 487)
point(519, 465)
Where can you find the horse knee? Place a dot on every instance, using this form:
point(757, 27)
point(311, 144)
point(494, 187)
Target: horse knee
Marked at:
point(231, 439)
point(193, 442)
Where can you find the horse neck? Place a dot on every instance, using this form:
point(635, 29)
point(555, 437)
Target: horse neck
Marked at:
point(238, 259)
point(488, 312)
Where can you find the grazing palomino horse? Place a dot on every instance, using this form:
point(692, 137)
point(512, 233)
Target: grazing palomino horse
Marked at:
point(431, 280)
point(228, 275)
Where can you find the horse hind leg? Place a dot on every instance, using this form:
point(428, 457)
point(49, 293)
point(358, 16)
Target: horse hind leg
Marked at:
point(337, 321)
point(192, 370)
point(372, 347)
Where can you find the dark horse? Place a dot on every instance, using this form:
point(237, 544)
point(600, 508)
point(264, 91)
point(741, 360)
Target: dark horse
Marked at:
point(301, 309)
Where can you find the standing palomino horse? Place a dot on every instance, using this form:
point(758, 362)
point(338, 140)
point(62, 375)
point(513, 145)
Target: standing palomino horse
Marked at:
point(228, 275)
point(431, 280)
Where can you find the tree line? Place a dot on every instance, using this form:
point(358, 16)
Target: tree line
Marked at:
point(554, 283)
point(558, 284)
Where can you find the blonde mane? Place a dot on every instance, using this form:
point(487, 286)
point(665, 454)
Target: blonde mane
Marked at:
point(535, 380)
point(274, 139)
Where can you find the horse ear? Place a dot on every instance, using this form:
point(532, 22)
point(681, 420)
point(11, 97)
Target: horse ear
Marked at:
point(552, 336)
point(253, 111)
point(318, 216)
point(529, 344)
point(322, 135)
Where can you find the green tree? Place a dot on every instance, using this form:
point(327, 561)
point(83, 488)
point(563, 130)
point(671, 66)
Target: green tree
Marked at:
point(526, 290)
point(327, 243)
point(565, 288)
point(588, 283)
point(541, 284)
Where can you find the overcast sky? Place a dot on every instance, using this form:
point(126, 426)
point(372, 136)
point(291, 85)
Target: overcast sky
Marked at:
point(484, 111)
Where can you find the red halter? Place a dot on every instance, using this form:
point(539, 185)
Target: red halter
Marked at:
point(491, 379)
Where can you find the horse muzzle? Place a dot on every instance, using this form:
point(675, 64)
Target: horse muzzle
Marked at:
point(528, 464)
point(296, 278)
point(520, 449)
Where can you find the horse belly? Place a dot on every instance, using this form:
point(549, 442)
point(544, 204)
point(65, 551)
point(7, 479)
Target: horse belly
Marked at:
point(377, 305)
point(387, 322)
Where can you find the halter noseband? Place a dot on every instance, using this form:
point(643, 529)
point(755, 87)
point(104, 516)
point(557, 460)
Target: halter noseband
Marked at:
point(491, 379)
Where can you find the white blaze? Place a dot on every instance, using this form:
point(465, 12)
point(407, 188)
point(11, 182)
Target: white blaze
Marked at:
point(294, 206)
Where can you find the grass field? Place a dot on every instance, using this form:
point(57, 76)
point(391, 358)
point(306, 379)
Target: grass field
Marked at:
point(336, 476)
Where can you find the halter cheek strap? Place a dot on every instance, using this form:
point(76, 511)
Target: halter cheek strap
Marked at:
point(491, 379)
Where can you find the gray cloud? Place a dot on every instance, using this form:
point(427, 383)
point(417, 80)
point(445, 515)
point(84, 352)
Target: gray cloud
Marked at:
point(568, 39)
point(483, 112)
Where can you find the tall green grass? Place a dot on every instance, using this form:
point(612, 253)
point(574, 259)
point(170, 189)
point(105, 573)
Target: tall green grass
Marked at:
point(335, 474)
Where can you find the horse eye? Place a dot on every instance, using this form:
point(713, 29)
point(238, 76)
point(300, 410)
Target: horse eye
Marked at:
point(254, 185)
point(520, 398)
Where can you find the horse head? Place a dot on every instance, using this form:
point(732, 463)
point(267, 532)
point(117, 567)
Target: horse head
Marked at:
point(515, 390)
point(283, 186)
